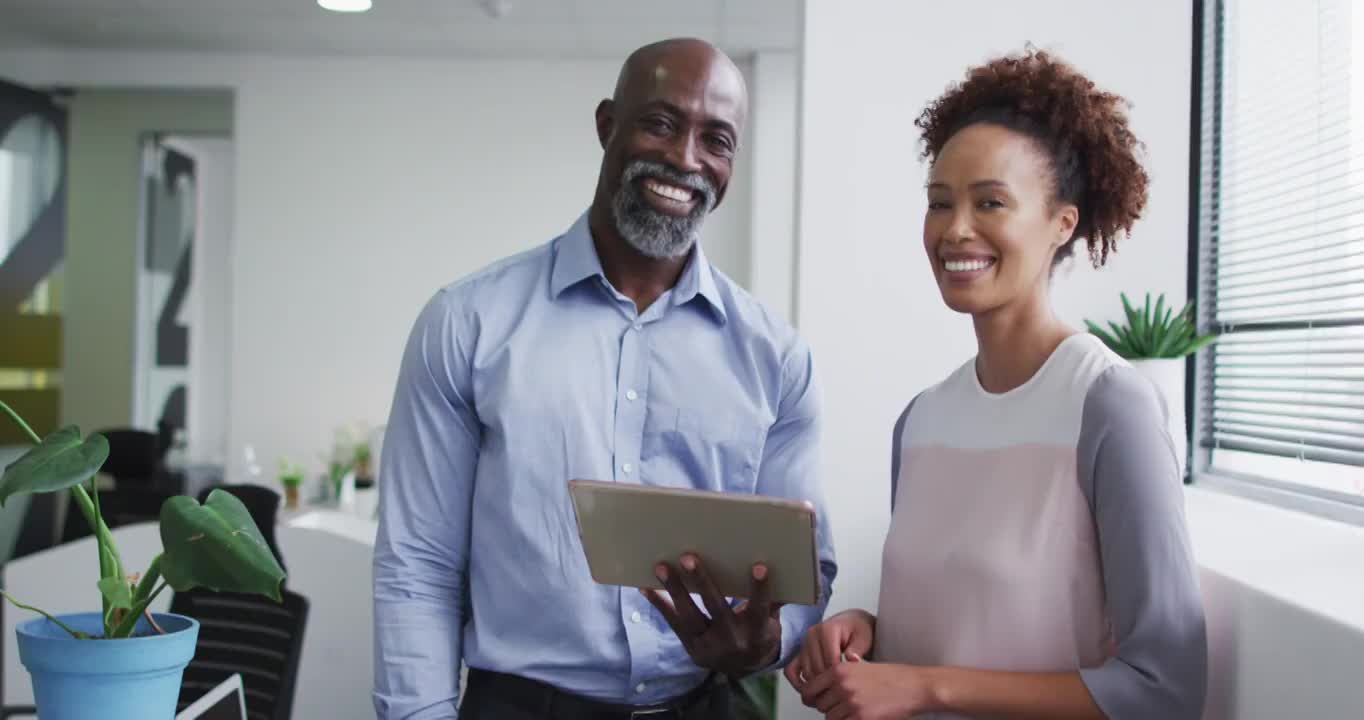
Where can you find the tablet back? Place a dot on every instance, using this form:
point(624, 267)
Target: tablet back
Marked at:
point(628, 529)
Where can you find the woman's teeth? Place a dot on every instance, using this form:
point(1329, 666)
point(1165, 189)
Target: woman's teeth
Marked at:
point(967, 265)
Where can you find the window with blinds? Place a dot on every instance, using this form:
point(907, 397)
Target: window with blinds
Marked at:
point(1279, 177)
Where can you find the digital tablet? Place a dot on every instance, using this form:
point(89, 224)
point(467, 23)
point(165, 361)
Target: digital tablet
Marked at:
point(627, 530)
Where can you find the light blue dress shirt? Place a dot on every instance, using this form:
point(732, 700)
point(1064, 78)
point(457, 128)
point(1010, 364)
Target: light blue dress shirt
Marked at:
point(533, 372)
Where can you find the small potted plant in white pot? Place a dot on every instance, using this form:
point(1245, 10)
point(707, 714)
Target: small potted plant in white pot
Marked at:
point(123, 662)
point(1156, 341)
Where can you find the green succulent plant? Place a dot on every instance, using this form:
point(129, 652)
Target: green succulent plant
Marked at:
point(1153, 333)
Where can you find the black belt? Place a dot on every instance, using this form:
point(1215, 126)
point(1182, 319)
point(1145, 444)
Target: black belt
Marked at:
point(538, 697)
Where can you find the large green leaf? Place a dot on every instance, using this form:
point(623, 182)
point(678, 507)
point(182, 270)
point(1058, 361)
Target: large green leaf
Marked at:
point(60, 461)
point(216, 546)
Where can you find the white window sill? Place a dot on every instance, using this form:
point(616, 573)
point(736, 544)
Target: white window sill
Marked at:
point(1300, 559)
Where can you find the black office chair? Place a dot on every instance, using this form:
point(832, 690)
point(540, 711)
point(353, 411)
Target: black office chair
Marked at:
point(250, 635)
point(135, 457)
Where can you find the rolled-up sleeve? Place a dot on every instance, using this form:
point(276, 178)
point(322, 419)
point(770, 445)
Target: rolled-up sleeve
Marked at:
point(790, 469)
point(421, 552)
point(1128, 469)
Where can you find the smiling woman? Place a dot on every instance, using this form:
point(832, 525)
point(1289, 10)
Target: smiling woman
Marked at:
point(1039, 566)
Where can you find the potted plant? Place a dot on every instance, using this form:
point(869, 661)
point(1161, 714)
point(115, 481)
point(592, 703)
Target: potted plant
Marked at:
point(124, 663)
point(1156, 341)
point(336, 478)
point(291, 477)
point(364, 477)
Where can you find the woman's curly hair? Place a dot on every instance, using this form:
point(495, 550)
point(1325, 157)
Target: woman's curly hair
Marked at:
point(1082, 130)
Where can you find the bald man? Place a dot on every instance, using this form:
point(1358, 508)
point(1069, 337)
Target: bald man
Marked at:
point(613, 352)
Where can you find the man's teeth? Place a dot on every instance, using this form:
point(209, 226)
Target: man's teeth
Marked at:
point(668, 191)
point(967, 265)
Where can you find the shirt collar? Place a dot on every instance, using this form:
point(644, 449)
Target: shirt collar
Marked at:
point(699, 279)
point(576, 260)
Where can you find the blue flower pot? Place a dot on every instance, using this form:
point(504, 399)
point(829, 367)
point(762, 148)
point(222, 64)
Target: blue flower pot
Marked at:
point(135, 678)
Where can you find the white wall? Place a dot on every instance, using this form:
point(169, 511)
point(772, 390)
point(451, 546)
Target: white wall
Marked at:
point(866, 298)
point(773, 159)
point(1285, 603)
point(363, 185)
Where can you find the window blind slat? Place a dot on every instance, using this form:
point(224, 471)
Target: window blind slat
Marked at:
point(1291, 364)
point(1346, 419)
point(1223, 276)
point(1354, 291)
point(1231, 354)
point(1322, 377)
point(1232, 396)
point(1333, 221)
point(1295, 390)
point(1264, 289)
point(1295, 317)
point(1295, 420)
point(1278, 145)
point(1264, 431)
point(1265, 144)
point(1343, 203)
point(1254, 187)
point(1349, 246)
point(1292, 196)
point(1285, 450)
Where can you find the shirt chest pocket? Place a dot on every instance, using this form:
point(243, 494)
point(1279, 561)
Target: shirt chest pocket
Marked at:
point(686, 447)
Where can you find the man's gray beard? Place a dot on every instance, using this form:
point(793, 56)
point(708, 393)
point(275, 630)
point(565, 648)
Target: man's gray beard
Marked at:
point(652, 233)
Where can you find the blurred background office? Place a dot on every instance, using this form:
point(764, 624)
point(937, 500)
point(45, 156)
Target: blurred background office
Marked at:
point(219, 219)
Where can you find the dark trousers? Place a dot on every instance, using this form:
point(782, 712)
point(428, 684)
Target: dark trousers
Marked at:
point(489, 697)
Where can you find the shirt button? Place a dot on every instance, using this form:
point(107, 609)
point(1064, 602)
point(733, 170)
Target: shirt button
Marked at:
point(640, 688)
point(636, 617)
point(631, 395)
point(627, 468)
point(637, 327)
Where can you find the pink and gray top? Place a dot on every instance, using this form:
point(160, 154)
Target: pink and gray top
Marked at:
point(1042, 530)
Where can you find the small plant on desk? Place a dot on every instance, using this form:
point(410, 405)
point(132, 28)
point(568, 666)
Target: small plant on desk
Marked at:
point(291, 477)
